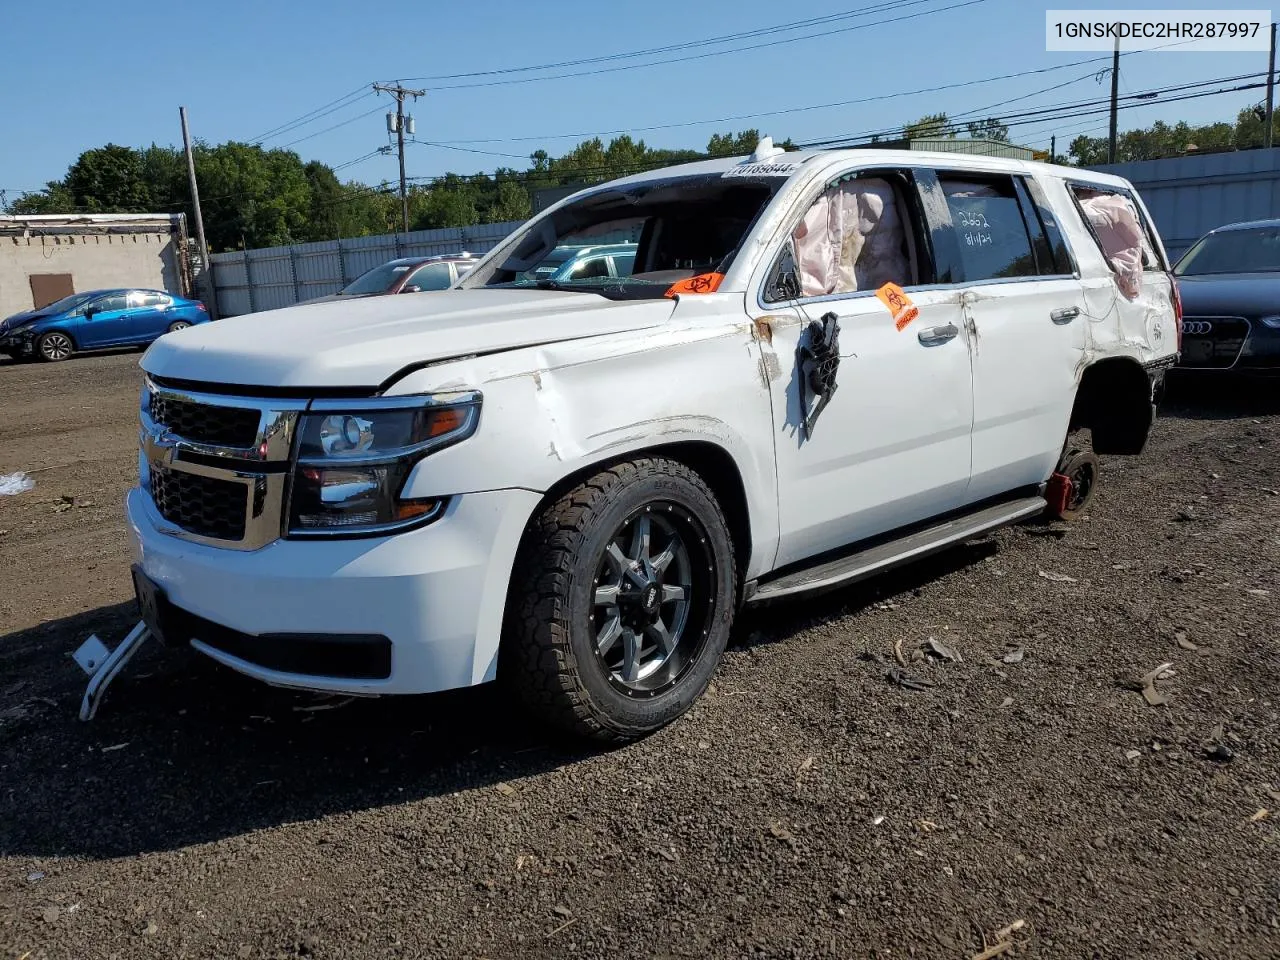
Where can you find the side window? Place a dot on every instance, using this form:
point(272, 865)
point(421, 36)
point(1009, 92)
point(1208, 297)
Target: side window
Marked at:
point(147, 298)
point(1121, 232)
point(1063, 264)
point(624, 264)
point(859, 234)
point(992, 235)
point(596, 267)
point(115, 301)
point(433, 276)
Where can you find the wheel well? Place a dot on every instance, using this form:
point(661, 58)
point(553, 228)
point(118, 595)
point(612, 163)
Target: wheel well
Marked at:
point(710, 461)
point(1114, 402)
point(66, 333)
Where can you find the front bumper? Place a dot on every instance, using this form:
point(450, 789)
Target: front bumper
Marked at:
point(437, 593)
point(17, 344)
point(1230, 344)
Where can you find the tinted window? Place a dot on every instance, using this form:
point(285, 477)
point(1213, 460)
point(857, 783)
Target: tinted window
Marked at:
point(1061, 256)
point(147, 298)
point(623, 265)
point(993, 239)
point(597, 267)
point(434, 276)
point(1256, 250)
point(377, 280)
point(116, 301)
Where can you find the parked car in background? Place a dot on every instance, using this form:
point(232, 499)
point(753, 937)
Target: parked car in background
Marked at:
point(406, 275)
point(583, 263)
point(97, 320)
point(1230, 284)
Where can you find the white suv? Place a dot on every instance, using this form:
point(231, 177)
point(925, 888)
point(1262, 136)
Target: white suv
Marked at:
point(823, 364)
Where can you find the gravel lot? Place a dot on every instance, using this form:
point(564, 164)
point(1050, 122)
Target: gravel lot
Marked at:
point(807, 807)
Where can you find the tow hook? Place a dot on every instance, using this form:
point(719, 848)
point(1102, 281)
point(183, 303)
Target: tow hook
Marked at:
point(103, 665)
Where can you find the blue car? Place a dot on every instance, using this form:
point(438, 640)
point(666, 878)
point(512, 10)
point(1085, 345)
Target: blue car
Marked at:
point(97, 320)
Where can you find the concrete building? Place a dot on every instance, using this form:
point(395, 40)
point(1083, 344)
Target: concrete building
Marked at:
point(44, 258)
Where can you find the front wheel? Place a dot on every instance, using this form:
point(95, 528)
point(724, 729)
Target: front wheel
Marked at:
point(54, 346)
point(621, 601)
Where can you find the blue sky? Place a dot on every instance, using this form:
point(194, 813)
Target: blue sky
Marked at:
point(120, 70)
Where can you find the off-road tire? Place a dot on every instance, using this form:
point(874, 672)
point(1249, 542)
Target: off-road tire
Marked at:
point(548, 654)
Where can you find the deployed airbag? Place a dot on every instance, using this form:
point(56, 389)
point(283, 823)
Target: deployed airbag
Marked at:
point(852, 238)
point(1115, 222)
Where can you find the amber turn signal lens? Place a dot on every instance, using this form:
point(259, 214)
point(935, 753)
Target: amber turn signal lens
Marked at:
point(446, 420)
point(408, 509)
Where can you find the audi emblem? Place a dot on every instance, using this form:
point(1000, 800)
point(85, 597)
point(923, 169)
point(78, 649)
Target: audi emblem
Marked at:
point(1196, 328)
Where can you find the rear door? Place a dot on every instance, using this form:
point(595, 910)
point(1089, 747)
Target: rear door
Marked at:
point(148, 316)
point(1023, 308)
point(891, 447)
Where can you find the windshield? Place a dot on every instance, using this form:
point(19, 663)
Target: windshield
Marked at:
point(68, 303)
point(1255, 250)
point(377, 280)
point(654, 233)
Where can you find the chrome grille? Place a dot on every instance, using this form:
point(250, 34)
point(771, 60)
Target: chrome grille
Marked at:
point(205, 506)
point(201, 423)
point(217, 468)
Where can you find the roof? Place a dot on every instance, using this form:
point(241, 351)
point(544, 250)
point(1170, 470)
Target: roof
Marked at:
point(1246, 225)
point(97, 218)
point(866, 156)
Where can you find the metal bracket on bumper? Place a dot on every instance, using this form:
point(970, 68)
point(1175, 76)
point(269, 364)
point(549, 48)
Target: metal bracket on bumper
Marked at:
point(103, 665)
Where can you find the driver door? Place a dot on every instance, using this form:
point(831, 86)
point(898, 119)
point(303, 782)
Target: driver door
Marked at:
point(106, 322)
point(891, 447)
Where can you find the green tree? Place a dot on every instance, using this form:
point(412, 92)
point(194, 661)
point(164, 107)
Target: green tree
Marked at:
point(929, 127)
point(988, 129)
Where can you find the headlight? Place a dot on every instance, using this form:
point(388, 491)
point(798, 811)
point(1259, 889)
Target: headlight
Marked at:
point(354, 457)
point(1272, 322)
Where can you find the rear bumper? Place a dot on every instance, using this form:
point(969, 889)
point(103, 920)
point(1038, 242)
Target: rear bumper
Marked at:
point(434, 597)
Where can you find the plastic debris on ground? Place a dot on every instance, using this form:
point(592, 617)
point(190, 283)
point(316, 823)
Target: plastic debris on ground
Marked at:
point(12, 484)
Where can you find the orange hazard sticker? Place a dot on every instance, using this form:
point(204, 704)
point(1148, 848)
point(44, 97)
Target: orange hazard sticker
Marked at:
point(702, 283)
point(899, 304)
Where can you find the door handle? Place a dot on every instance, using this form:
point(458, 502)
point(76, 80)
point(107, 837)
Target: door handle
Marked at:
point(1064, 315)
point(932, 336)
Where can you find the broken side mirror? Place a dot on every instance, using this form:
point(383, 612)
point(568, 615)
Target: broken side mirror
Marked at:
point(784, 281)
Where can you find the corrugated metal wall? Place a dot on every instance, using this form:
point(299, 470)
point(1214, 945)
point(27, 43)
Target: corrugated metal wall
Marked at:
point(1189, 196)
point(252, 280)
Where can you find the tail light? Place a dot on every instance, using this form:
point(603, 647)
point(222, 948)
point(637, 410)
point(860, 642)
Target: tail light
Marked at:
point(201, 307)
point(1177, 310)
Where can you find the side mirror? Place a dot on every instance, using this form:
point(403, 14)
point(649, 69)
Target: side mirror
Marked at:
point(412, 288)
point(89, 311)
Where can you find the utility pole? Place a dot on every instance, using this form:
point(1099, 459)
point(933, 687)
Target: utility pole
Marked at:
point(1271, 89)
point(1053, 149)
point(398, 122)
point(211, 298)
point(1115, 102)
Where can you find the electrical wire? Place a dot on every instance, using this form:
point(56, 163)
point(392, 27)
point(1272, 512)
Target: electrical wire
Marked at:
point(320, 111)
point(359, 116)
point(712, 53)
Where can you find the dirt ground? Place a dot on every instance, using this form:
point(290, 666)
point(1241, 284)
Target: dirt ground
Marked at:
point(807, 807)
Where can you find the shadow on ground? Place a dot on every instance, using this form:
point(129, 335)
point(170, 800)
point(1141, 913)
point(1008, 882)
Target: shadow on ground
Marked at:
point(185, 751)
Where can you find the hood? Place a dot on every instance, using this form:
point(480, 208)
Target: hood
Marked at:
point(365, 342)
point(23, 318)
point(1230, 294)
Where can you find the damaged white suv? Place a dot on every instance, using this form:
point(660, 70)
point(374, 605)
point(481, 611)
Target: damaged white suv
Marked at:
point(820, 365)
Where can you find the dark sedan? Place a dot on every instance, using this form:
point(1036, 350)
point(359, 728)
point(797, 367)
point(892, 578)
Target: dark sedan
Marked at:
point(406, 275)
point(1230, 287)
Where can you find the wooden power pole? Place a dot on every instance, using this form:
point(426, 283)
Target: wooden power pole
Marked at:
point(1115, 102)
point(400, 93)
point(211, 297)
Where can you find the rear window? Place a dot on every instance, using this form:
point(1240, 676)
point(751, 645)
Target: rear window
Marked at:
point(1122, 233)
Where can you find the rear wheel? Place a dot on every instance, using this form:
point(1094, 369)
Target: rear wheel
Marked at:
point(621, 601)
point(178, 325)
point(54, 346)
point(1081, 467)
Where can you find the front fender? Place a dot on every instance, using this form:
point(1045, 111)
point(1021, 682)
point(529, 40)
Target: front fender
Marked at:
point(553, 412)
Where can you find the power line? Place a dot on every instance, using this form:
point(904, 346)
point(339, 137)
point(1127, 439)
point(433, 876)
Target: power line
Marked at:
point(360, 116)
point(714, 53)
point(672, 47)
point(320, 111)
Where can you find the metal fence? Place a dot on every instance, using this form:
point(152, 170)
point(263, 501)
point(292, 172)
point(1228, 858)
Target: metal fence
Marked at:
point(251, 280)
point(1189, 196)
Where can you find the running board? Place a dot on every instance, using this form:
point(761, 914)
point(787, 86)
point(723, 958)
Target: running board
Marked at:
point(879, 558)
